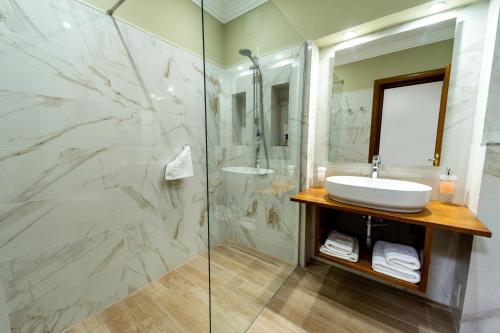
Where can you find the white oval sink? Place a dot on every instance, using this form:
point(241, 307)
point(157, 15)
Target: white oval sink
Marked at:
point(248, 170)
point(386, 194)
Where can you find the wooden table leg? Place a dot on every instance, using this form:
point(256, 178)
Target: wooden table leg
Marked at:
point(426, 259)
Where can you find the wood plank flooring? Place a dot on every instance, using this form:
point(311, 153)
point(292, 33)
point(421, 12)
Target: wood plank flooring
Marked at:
point(243, 282)
point(321, 298)
point(318, 298)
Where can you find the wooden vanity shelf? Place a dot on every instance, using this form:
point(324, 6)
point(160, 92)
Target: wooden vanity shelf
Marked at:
point(414, 229)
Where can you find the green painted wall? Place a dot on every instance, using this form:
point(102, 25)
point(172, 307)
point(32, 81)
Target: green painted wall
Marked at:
point(262, 30)
point(318, 18)
point(177, 21)
point(361, 74)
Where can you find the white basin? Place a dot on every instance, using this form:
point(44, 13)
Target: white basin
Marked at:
point(248, 170)
point(385, 194)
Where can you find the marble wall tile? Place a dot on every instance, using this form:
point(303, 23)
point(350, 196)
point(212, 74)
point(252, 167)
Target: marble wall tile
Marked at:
point(255, 210)
point(4, 312)
point(350, 127)
point(461, 275)
point(92, 110)
point(480, 313)
point(442, 267)
point(481, 303)
point(492, 121)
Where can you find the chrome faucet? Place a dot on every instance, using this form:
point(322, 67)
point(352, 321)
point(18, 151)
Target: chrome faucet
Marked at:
point(257, 157)
point(375, 165)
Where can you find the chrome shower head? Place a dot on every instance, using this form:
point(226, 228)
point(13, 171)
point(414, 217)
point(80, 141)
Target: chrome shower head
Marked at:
point(246, 53)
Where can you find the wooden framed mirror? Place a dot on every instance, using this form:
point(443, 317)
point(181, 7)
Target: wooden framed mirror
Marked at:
point(408, 117)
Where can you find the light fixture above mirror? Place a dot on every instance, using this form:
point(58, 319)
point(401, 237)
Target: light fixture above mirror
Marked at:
point(437, 7)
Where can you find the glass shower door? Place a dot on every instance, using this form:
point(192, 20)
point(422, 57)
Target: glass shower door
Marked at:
point(254, 65)
point(93, 237)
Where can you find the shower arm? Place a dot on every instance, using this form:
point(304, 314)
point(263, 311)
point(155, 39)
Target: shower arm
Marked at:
point(111, 11)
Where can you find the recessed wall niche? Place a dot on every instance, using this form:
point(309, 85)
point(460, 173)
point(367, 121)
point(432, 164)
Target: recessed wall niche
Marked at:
point(239, 118)
point(280, 103)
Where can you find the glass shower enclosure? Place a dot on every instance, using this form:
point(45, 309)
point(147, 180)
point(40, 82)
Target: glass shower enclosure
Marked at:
point(254, 76)
point(97, 98)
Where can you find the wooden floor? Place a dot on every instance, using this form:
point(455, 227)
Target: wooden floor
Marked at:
point(243, 282)
point(321, 298)
point(318, 298)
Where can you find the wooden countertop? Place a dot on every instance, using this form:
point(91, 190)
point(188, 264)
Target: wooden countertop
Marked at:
point(437, 214)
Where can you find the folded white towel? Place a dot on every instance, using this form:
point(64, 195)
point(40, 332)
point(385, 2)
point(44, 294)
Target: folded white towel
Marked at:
point(402, 256)
point(379, 264)
point(352, 256)
point(339, 242)
point(181, 166)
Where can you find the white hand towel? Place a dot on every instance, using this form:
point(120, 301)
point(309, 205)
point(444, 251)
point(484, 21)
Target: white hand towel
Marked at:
point(352, 256)
point(181, 166)
point(401, 255)
point(379, 264)
point(339, 242)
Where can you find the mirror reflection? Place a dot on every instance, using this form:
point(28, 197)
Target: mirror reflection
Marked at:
point(389, 96)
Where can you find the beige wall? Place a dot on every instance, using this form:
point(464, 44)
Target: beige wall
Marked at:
point(361, 74)
point(262, 30)
point(177, 21)
point(318, 18)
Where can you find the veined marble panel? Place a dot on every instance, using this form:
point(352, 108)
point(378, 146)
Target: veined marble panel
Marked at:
point(92, 110)
point(481, 309)
point(481, 301)
point(492, 122)
point(120, 254)
point(350, 127)
point(442, 267)
point(255, 210)
point(463, 93)
point(480, 312)
point(4, 312)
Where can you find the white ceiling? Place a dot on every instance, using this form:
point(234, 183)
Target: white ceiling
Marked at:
point(227, 10)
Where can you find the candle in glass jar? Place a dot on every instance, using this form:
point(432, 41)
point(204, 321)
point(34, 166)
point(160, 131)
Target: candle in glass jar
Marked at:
point(447, 182)
point(447, 187)
point(321, 177)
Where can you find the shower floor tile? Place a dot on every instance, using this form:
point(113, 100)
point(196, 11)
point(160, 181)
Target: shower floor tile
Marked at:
point(250, 287)
point(243, 282)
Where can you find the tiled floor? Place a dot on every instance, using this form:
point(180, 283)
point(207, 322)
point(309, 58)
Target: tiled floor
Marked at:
point(318, 298)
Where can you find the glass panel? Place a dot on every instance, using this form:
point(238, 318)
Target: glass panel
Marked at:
point(92, 236)
point(254, 65)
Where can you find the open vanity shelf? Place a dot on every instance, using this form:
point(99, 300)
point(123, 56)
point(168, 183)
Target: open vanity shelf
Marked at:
point(413, 229)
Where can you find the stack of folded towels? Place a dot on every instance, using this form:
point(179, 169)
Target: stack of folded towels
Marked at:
point(341, 246)
point(396, 260)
